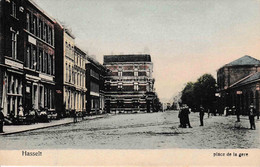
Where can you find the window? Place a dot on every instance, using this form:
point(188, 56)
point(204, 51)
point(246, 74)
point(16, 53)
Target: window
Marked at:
point(135, 72)
point(40, 29)
point(34, 25)
point(40, 60)
point(67, 72)
point(49, 35)
point(13, 9)
point(45, 62)
point(28, 57)
point(53, 65)
point(136, 86)
point(120, 73)
point(45, 32)
point(14, 45)
point(33, 58)
point(28, 21)
point(120, 86)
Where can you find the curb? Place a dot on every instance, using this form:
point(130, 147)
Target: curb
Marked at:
point(49, 126)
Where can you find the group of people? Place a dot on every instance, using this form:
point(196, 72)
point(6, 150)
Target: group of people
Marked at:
point(184, 116)
point(185, 111)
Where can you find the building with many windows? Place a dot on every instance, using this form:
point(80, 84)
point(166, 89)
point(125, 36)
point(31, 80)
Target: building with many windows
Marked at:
point(26, 56)
point(70, 73)
point(80, 81)
point(129, 84)
point(39, 58)
point(11, 56)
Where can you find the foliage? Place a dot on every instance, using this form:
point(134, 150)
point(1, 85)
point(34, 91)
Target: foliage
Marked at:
point(202, 92)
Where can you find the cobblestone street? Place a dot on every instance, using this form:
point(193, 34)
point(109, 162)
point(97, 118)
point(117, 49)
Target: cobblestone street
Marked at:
point(140, 131)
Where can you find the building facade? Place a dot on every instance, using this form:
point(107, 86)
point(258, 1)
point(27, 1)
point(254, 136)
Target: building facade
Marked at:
point(70, 73)
point(26, 56)
point(80, 59)
point(238, 84)
point(129, 84)
point(11, 56)
point(95, 74)
point(39, 58)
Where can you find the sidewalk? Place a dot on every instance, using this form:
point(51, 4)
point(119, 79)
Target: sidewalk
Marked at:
point(12, 129)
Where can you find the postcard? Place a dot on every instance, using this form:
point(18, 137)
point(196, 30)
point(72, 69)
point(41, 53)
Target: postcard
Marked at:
point(129, 83)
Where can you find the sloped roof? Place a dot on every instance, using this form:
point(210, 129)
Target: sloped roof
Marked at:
point(127, 58)
point(245, 60)
point(252, 78)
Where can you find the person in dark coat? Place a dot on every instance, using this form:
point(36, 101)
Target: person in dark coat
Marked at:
point(186, 113)
point(251, 114)
point(181, 117)
point(2, 117)
point(237, 112)
point(202, 111)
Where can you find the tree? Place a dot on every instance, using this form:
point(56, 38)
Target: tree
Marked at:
point(187, 96)
point(204, 91)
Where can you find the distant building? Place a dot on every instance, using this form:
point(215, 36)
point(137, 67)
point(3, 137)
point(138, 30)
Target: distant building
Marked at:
point(239, 84)
point(129, 84)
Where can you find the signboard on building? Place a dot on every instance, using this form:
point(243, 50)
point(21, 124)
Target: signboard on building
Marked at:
point(31, 40)
point(239, 92)
point(13, 63)
point(46, 77)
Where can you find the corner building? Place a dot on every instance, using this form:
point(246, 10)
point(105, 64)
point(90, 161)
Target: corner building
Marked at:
point(129, 85)
point(26, 57)
point(239, 85)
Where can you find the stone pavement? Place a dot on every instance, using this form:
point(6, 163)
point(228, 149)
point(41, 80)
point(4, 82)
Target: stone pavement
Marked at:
point(12, 129)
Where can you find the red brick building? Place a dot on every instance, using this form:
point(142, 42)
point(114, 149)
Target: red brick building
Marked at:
point(129, 85)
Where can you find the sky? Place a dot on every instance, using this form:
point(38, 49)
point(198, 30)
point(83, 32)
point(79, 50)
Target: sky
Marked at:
point(185, 38)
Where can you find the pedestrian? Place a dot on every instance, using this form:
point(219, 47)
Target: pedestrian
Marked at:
point(180, 115)
point(237, 112)
point(186, 116)
point(202, 111)
point(251, 114)
point(2, 117)
point(74, 116)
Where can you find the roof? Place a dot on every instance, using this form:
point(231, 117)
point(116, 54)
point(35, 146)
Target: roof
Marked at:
point(252, 78)
point(245, 60)
point(127, 58)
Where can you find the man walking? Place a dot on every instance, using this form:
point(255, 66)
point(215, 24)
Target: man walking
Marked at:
point(202, 111)
point(1, 120)
point(251, 114)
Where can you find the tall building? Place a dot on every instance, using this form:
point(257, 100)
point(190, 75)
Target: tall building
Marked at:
point(70, 73)
point(238, 84)
point(129, 84)
point(39, 62)
point(26, 57)
point(80, 59)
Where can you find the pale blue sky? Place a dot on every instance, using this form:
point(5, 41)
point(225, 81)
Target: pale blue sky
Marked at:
point(186, 38)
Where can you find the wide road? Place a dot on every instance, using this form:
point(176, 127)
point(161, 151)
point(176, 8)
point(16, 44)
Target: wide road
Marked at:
point(139, 131)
